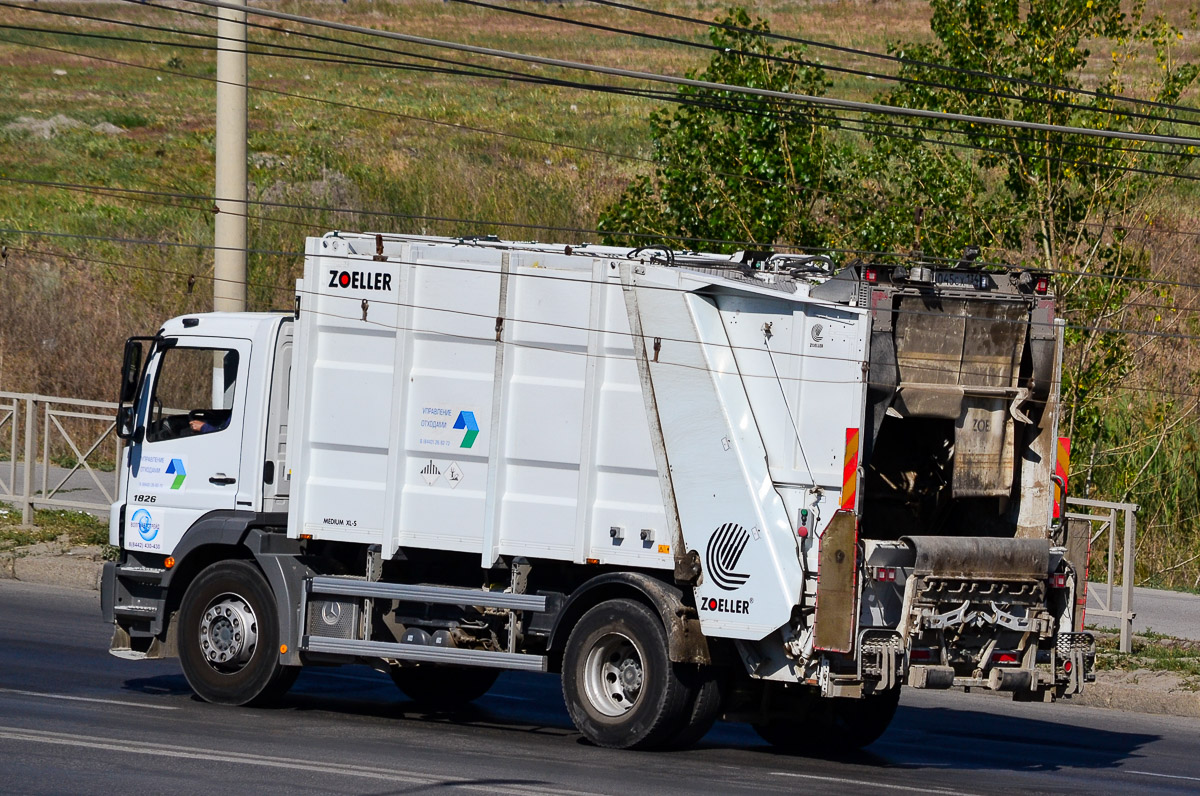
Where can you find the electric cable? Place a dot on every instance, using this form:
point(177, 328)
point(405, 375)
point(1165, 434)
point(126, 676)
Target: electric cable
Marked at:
point(867, 107)
point(899, 59)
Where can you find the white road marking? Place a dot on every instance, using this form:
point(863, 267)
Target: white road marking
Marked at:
point(86, 699)
point(1164, 776)
point(865, 783)
point(268, 761)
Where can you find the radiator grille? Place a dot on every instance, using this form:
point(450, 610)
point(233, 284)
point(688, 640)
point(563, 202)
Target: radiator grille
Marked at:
point(333, 618)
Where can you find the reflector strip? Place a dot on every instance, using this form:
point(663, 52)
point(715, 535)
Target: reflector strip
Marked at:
point(850, 471)
point(1062, 465)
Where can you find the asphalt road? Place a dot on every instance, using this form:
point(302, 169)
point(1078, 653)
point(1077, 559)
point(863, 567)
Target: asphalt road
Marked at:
point(73, 719)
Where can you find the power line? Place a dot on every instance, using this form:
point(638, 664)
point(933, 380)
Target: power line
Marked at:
point(865, 107)
point(156, 197)
point(490, 339)
point(870, 127)
point(116, 192)
point(390, 113)
point(607, 153)
point(818, 65)
point(899, 59)
point(505, 74)
point(582, 252)
point(527, 77)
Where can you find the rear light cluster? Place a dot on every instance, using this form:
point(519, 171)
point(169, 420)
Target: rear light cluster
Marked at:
point(1042, 285)
point(870, 275)
point(1005, 657)
point(1058, 581)
point(884, 574)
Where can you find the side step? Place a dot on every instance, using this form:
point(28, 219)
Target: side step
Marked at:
point(441, 595)
point(137, 572)
point(424, 654)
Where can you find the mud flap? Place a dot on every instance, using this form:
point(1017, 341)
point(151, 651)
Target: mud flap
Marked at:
point(836, 599)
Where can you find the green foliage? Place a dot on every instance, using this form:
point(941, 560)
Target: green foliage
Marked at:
point(732, 167)
point(79, 527)
point(1154, 652)
point(1062, 197)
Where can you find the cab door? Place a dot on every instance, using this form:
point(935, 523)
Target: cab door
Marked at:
point(186, 454)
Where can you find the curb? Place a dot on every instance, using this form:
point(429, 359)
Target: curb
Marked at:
point(1141, 691)
point(54, 564)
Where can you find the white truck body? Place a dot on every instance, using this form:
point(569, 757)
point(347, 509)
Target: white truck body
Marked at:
point(381, 449)
point(600, 425)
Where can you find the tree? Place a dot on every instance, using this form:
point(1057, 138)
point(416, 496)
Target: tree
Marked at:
point(729, 167)
point(1060, 201)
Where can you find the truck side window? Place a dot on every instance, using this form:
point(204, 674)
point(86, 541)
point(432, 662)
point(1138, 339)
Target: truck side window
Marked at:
point(193, 393)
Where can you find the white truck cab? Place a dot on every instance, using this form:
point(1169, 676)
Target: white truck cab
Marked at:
point(205, 402)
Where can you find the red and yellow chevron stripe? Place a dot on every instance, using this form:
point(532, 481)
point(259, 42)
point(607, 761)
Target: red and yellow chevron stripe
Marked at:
point(1062, 466)
point(850, 471)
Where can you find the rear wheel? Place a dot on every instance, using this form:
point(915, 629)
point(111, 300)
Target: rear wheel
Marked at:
point(706, 706)
point(620, 687)
point(443, 686)
point(228, 635)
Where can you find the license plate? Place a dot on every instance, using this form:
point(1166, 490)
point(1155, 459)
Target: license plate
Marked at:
point(954, 279)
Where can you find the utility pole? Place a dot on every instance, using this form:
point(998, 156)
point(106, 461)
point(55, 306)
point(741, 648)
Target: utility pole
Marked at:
point(229, 256)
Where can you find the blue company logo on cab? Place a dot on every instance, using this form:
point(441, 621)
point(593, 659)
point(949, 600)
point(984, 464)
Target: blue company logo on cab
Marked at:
point(146, 527)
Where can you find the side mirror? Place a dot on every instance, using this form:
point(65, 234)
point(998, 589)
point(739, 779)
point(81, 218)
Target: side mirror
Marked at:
point(131, 370)
point(125, 420)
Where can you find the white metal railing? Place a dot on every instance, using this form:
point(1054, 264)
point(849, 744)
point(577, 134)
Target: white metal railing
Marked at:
point(67, 424)
point(1104, 518)
point(9, 418)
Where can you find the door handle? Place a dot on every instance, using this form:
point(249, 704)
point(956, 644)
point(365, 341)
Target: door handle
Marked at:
point(220, 479)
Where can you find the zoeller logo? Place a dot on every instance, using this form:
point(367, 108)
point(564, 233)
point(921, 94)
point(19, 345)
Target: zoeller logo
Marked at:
point(360, 280)
point(725, 548)
point(816, 332)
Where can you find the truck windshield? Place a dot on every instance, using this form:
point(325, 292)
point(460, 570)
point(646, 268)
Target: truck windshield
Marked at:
point(194, 392)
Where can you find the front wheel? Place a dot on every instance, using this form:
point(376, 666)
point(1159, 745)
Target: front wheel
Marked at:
point(620, 687)
point(228, 634)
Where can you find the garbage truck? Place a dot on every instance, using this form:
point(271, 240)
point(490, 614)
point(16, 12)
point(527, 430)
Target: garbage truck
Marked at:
point(693, 485)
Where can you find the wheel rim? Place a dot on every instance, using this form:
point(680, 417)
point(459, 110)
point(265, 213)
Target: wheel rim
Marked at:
point(228, 633)
point(613, 675)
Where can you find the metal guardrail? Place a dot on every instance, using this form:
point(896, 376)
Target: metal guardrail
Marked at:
point(1104, 518)
point(60, 424)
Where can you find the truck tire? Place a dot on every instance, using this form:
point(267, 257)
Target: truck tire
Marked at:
point(837, 724)
point(228, 637)
point(706, 706)
point(621, 689)
point(443, 686)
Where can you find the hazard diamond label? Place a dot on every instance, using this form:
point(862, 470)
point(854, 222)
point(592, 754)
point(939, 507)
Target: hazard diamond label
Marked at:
point(431, 473)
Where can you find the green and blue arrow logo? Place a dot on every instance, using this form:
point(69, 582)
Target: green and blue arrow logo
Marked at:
point(467, 420)
point(176, 468)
